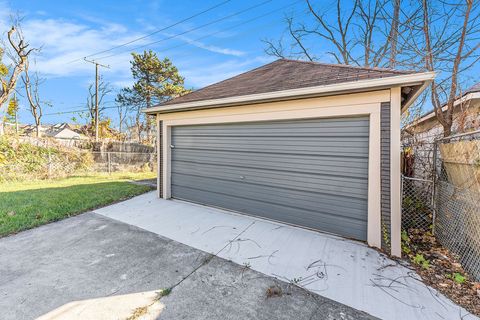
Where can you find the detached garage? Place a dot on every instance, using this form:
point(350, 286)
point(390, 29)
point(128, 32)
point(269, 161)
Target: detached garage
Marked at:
point(309, 144)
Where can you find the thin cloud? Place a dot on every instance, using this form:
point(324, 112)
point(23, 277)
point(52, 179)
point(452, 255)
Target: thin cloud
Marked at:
point(212, 48)
point(63, 42)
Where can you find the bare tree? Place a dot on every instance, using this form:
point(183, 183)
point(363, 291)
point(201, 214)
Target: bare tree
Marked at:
point(123, 107)
point(361, 32)
point(33, 97)
point(19, 58)
point(433, 35)
point(135, 125)
point(393, 35)
point(136, 103)
point(103, 90)
point(451, 48)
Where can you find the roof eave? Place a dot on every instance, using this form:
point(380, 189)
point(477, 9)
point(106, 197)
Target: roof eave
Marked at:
point(417, 79)
point(468, 97)
point(417, 92)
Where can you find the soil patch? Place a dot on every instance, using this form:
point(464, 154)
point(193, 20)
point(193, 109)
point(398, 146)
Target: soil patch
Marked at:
point(440, 269)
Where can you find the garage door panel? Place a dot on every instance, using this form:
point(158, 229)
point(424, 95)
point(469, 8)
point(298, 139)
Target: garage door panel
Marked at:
point(307, 132)
point(304, 145)
point(312, 173)
point(294, 127)
point(288, 170)
point(264, 163)
point(322, 202)
point(274, 150)
point(308, 182)
point(319, 142)
point(335, 224)
point(305, 161)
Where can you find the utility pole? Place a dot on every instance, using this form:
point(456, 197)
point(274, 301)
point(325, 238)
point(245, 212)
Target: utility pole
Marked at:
point(96, 91)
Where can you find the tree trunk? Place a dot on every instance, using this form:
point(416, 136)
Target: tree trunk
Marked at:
point(37, 129)
point(147, 123)
point(447, 130)
point(394, 34)
point(20, 48)
point(139, 128)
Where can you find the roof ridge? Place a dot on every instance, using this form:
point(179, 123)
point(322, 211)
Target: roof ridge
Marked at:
point(235, 76)
point(348, 66)
point(285, 74)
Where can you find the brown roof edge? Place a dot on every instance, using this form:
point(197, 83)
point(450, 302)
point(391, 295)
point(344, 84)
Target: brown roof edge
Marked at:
point(284, 74)
point(412, 79)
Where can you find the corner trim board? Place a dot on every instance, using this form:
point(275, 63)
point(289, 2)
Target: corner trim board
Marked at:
point(395, 175)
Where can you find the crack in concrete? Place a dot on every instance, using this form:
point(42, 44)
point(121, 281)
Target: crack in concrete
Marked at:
point(142, 310)
point(211, 256)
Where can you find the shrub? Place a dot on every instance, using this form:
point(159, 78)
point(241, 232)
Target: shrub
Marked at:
point(420, 260)
point(21, 160)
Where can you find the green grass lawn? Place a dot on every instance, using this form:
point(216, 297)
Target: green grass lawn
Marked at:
point(28, 204)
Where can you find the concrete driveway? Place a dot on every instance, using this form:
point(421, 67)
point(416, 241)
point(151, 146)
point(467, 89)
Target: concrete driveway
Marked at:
point(345, 271)
point(93, 267)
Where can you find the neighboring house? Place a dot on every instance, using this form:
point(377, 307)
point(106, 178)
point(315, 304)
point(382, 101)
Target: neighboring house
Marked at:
point(466, 117)
point(308, 144)
point(419, 136)
point(30, 130)
point(61, 131)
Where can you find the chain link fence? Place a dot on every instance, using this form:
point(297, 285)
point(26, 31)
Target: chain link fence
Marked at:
point(457, 198)
point(441, 193)
point(57, 165)
point(417, 205)
point(123, 161)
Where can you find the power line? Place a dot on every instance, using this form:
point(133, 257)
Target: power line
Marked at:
point(190, 30)
point(196, 39)
point(154, 32)
point(77, 111)
point(232, 27)
point(184, 44)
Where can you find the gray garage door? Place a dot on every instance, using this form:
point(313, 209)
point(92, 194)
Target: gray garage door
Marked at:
point(311, 173)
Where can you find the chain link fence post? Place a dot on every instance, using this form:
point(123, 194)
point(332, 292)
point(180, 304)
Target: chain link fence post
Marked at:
point(49, 165)
point(434, 187)
point(109, 163)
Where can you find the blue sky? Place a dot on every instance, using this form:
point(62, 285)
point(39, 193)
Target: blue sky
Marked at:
point(69, 30)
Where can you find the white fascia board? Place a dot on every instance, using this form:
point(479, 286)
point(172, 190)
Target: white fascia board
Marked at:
point(468, 97)
point(414, 97)
point(353, 86)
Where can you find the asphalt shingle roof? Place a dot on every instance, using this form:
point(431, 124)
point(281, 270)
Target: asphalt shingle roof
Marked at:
point(284, 74)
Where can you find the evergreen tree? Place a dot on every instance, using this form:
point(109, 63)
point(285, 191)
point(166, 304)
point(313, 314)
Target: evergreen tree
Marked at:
point(156, 81)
